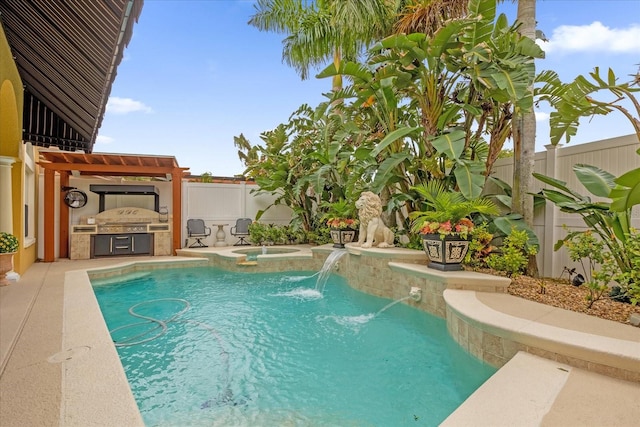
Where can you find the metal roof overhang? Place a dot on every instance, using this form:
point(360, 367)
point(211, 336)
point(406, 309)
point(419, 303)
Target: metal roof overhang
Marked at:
point(67, 53)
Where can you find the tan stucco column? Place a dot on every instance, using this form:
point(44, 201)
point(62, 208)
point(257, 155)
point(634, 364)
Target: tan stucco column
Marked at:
point(6, 209)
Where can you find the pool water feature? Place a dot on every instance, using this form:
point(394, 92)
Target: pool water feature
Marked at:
point(252, 253)
point(263, 349)
point(330, 264)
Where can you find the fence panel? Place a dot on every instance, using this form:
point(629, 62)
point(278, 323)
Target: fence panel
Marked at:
point(615, 155)
point(221, 204)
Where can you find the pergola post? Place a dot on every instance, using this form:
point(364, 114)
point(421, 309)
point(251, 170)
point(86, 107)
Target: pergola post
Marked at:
point(63, 233)
point(49, 215)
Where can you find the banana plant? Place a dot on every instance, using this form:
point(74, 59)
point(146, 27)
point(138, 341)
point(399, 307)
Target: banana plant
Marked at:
point(464, 82)
point(576, 99)
point(627, 192)
point(612, 226)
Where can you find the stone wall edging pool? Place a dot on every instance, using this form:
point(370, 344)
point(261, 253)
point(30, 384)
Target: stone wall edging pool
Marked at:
point(496, 337)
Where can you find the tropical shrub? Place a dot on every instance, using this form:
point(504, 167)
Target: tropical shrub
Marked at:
point(340, 214)
point(513, 255)
point(271, 234)
point(480, 247)
point(600, 267)
point(629, 281)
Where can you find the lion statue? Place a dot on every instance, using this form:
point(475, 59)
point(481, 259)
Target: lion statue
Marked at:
point(373, 232)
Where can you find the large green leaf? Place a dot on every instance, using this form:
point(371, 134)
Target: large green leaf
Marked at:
point(444, 36)
point(558, 197)
point(484, 11)
point(561, 185)
point(596, 180)
point(504, 199)
point(620, 225)
point(510, 222)
point(363, 153)
point(386, 173)
point(451, 144)
point(469, 178)
point(392, 137)
point(501, 184)
point(627, 193)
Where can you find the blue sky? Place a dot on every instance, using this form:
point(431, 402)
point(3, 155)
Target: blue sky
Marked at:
point(195, 75)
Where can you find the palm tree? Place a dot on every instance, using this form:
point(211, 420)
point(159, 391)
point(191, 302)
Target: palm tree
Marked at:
point(524, 138)
point(324, 30)
point(427, 16)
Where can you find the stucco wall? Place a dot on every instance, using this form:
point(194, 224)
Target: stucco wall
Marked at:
point(13, 153)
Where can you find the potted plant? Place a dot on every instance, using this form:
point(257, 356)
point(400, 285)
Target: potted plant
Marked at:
point(445, 224)
point(340, 218)
point(8, 246)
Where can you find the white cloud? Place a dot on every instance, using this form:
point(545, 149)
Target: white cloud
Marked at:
point(101, 139)
point(541, 117)
point(117, 105)
point(594, 37)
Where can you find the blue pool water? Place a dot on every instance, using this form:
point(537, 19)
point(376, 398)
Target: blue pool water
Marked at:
point(268, 350)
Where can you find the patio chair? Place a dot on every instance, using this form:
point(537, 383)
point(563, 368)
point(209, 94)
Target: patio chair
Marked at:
point(241, 231)
point(197, 230)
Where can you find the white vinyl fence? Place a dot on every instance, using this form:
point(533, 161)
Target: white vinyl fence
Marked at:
point(615, 155)
point(221, 204)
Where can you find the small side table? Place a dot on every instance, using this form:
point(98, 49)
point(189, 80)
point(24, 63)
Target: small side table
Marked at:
point(221, 236)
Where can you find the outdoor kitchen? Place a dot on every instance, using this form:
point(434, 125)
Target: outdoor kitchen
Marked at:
point(122, 231)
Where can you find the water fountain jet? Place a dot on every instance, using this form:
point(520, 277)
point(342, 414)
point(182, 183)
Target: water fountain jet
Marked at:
point(415, 293)
point(329, 265)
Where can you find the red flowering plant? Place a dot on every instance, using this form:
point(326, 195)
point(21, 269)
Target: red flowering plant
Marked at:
point(340, 215)
point(463, 227)
point(447, 212)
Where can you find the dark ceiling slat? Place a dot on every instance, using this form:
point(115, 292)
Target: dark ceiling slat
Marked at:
point(66, 107)
point(66, 53)
point(82, 33)
point(44, 41)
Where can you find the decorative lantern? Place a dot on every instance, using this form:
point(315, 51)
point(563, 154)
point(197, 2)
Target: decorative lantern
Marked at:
point(164, 214)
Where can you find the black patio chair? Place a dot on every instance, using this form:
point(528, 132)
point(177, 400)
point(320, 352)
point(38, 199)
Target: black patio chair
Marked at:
point(241, 231)
point(197, 230)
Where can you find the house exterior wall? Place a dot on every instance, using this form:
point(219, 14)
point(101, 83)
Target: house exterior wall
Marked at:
point(16, 162)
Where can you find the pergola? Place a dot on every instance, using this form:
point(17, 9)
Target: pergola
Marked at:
point(101, 164)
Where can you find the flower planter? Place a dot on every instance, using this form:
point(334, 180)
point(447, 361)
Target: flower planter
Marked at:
point(445, 254)
point(6, 265)
point(340, 236)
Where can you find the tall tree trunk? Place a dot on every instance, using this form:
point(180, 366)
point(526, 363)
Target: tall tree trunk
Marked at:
point(524, 139)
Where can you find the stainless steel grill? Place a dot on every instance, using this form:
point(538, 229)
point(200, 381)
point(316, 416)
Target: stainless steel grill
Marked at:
point(122, 227)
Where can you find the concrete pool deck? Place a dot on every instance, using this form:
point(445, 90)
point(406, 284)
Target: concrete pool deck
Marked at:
point(46, 377)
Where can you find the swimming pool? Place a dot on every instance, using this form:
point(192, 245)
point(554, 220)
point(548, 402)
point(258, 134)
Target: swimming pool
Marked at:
point(267, 349)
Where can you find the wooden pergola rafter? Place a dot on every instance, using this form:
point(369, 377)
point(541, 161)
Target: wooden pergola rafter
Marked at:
point(101, 164)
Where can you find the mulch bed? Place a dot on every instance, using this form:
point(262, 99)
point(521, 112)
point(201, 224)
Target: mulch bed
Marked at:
point(562, 294)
